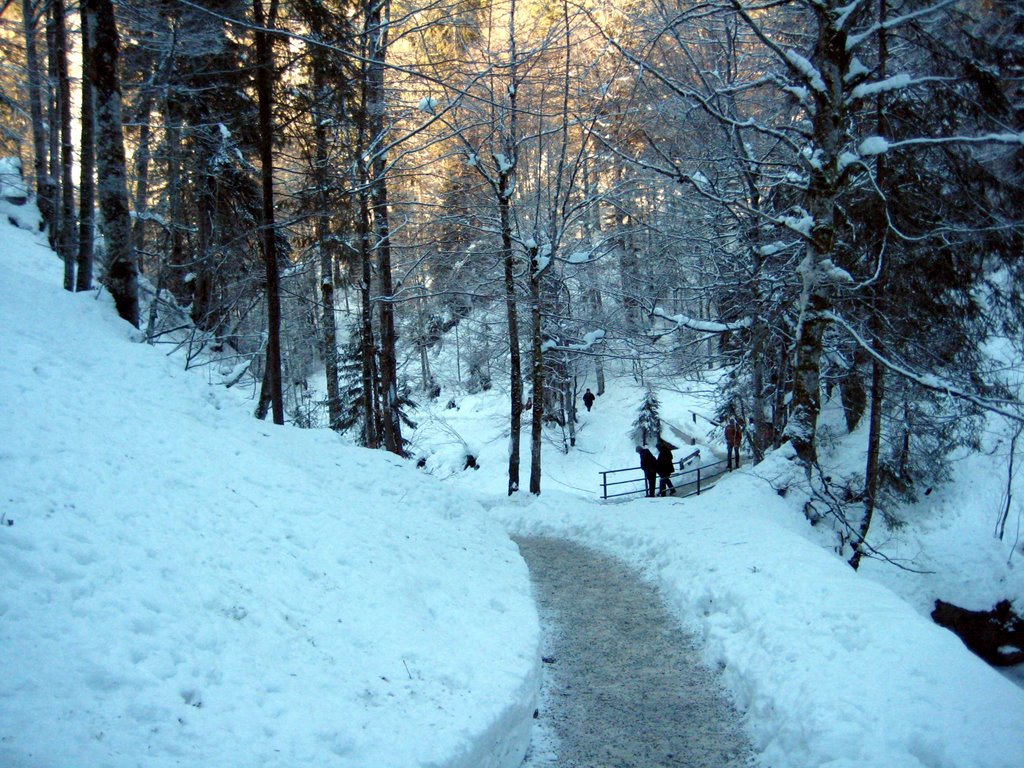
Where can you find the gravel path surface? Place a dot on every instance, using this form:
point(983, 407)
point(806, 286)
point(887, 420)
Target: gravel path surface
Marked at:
point(624, 686)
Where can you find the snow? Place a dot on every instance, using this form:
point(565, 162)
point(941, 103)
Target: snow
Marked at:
point(856, 69)
point(806, 69)
point(847, 159)
point(695, 324)
point(185, 584)
point(17, 204)
point(427, 104)
point(873, 145)
point(771, 249)
point(802, 224)
point(894, 83)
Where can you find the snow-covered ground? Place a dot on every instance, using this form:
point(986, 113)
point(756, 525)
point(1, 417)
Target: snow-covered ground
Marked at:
point(185, 583)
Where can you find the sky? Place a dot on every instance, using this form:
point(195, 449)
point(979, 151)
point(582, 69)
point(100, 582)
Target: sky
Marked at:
point(182, 582)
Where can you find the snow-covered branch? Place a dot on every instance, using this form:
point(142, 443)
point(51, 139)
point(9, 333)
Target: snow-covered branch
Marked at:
point(931, 381)
point(704, 326)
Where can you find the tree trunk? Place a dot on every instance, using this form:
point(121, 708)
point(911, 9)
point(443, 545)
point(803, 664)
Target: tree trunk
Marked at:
point(121, 276)
point(376, 29)
point(592, 229)
point(515, 358)
point(327, 313)
point(371, 432)
point(570, 408)
point(142, 162)
point(66, 237)
point(87, 185)
point(875, 326)
point(264, 85)
point(874, 451)
point(182, 290)
point(53, 129)
point(537, 375)
point(44, 185)
point(831, 61)
point(504, 191)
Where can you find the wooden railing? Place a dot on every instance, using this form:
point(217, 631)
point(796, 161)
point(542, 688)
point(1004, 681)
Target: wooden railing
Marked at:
point(687, 482)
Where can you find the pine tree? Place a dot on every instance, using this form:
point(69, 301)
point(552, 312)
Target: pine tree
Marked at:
point(648, 423)
point(351, 392)
point(350, 386)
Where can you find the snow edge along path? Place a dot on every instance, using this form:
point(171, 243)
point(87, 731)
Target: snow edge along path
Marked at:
point(829, 669)
point(184, 581)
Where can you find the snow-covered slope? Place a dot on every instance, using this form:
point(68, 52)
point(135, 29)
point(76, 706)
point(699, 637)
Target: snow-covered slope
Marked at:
point(185, 584)
point(829, 667)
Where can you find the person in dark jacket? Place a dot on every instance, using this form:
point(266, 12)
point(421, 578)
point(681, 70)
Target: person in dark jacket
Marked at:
point(588, 398)
point(665, 469)
point(649, 465)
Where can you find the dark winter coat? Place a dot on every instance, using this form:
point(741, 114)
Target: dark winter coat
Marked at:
point(588, 398)
point(648, 463)
point(665, 466)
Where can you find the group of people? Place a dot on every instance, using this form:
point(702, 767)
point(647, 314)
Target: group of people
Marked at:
point(662, 466)
point(653, 468)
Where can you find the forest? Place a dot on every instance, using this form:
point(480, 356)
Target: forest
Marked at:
point(818, 198)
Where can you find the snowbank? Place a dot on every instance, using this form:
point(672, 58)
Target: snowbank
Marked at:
point(828, 667)
point(183, 583)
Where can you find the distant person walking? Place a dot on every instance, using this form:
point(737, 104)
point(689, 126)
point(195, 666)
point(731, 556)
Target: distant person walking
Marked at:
point(588, 399)
point(649, 465)
point(665, 468)
point(733, 441)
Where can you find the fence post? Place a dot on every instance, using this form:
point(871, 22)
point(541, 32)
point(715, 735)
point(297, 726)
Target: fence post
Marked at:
point(604, 485)
point(698, 481)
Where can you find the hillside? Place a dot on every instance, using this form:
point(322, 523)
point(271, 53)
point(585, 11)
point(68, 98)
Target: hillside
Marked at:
point(185, 583)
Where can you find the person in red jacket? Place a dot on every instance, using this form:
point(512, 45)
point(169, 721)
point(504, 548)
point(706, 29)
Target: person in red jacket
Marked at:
point(733, 441)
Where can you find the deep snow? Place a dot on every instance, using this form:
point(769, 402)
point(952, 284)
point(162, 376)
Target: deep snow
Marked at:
point(185, 583)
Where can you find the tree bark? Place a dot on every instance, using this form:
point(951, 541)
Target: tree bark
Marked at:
point(66, 236)
point(87, 185)
point(512, 320)
point(327, 313)
point(142, 162)
point(537, 375)
point(44, 185)
point(264, 86)
point(121, 276)
point(377, 29)
point(874, 451)
point(505, 184)
point(53, 129)
point(371, 432)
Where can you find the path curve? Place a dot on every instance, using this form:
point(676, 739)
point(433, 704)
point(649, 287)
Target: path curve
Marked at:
point(624, 686)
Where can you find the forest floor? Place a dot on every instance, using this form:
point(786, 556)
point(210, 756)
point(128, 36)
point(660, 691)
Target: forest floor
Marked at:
point(624, 686)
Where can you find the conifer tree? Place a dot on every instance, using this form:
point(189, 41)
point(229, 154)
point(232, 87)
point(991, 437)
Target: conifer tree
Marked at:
point(648, 422)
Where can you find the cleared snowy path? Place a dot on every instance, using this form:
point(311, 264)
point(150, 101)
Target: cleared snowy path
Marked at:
point(624, 685)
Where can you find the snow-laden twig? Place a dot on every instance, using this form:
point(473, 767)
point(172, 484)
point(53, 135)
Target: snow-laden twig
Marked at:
point(705, 326)
point(931, 381)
